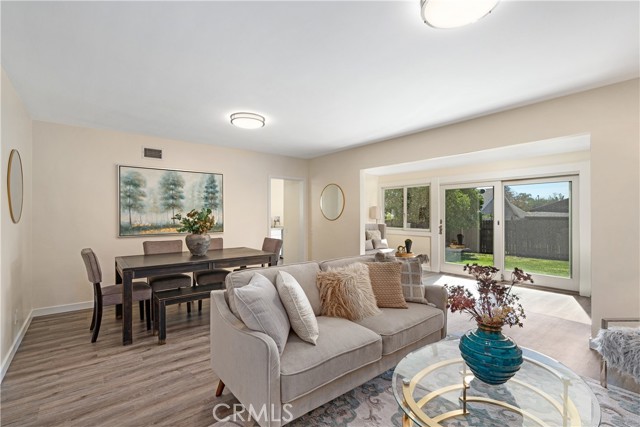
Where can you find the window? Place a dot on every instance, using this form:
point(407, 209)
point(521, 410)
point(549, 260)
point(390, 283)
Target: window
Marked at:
point(407, 207)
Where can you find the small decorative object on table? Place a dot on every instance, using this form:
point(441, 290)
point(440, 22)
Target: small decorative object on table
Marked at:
point(492, 357)
point(402, 252)
point(198, 223)
point(407, 245)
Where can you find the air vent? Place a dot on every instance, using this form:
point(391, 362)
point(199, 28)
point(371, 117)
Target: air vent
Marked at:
point(152, 153)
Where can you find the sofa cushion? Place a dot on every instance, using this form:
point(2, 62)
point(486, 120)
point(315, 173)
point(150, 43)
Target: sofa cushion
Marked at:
point(261, 309)
point(343, 262)
point(399, 328)
point(304, 272)
point(368, 245)
point(342, 347)
point(346, 292)
point(303, 321)
point(385, 282)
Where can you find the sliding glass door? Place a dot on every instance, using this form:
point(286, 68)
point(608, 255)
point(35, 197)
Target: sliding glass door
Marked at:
point(529, 224)
point(540, 234)
point(468, 226)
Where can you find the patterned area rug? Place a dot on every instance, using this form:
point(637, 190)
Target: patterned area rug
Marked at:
point(373, 405)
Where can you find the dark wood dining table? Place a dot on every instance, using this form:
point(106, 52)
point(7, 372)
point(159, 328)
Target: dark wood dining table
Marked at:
point(133, 267)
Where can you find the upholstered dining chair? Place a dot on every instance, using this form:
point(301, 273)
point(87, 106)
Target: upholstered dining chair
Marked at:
point(272, 245)
point(213, 276)
point(169, 281)
point(269, 244)
point(111, 294)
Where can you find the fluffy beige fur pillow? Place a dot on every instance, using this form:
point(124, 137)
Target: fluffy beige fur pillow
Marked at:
point(346, 292)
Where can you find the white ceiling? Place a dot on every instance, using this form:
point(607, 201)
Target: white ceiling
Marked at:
point(326, 75)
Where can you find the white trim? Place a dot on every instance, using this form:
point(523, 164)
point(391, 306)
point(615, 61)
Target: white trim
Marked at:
point(304, 218)
point(44, 311)
point(15, 345)
point(38, 312)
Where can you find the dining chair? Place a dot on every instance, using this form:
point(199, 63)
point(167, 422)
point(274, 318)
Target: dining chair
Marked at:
point(272, 245)
point(169, 281)
point(269, 244)
point(213, 276)
point(111, 294)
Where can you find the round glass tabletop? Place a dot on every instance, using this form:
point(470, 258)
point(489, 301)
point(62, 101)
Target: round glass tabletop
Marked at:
point(434, 387)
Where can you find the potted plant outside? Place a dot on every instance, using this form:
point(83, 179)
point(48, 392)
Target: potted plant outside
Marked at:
point(198, 224)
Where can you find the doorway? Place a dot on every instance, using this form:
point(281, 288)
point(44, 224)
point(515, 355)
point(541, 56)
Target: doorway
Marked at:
point(286, 217)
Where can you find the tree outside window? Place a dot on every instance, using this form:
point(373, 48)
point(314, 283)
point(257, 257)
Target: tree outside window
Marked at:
point(407, 207)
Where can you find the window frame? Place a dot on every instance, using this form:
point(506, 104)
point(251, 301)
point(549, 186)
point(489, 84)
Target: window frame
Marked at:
point(405, 189)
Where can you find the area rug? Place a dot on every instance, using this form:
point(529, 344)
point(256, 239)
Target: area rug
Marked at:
point(373, 405)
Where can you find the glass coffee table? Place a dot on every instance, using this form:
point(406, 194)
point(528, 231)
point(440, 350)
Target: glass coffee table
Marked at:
point(434, 387)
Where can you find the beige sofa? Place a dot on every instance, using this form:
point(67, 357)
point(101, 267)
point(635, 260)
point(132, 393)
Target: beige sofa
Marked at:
point(305, 376)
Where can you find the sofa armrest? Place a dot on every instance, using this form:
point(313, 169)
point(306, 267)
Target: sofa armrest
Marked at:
point(246, 361)
point(437, 295)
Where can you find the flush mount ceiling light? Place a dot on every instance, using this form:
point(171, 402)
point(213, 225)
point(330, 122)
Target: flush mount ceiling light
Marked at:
point(247, 120)
point(454, 13)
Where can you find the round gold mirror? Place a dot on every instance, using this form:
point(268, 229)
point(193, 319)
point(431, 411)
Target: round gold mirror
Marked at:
point(14, 186)
point(332, 202)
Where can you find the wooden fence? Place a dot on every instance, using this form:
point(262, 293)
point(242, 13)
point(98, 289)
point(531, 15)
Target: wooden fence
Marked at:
point(542, 238)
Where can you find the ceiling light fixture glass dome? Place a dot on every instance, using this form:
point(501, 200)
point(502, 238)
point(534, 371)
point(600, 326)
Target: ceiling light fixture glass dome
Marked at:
point(247, 120)
point(454, 13)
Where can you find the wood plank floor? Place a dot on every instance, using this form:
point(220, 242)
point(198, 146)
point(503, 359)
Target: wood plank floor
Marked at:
point(58, 378)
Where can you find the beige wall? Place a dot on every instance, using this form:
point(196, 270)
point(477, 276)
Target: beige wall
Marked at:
point(611, 115)
point(75, 200)
point(16, 278)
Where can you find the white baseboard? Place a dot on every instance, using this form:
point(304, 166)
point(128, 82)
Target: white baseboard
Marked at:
point(37, 312)
point(15, 345)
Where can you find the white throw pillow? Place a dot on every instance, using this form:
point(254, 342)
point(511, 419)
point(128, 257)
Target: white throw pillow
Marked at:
point(380, 244)
point(295, 301)
point(261, 310)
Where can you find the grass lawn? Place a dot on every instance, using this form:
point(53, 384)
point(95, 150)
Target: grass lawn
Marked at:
point(529, 265)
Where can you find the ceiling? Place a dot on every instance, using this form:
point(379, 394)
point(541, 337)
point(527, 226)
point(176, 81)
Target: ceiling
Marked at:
point(326, 75)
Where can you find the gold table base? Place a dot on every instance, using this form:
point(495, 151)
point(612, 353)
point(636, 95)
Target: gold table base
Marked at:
point(566, 408)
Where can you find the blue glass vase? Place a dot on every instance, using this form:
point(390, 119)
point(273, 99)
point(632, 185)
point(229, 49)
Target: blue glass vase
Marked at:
point(492, 357)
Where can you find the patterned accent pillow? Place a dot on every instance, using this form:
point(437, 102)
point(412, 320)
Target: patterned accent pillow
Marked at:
point(412, 287)
point(385, 281)
point(346, 292)
point(372, 234)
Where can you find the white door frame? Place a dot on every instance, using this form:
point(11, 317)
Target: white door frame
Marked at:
point(578, 174)
point(498, 246)
point(303, 214)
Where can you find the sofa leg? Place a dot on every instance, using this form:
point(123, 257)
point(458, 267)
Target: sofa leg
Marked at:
point(220, 388)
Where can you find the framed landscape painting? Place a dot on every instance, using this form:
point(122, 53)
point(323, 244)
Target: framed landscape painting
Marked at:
point(149, 198)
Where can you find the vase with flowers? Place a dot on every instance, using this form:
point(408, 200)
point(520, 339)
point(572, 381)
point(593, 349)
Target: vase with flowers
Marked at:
point(492, 357)
point(198, 223)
